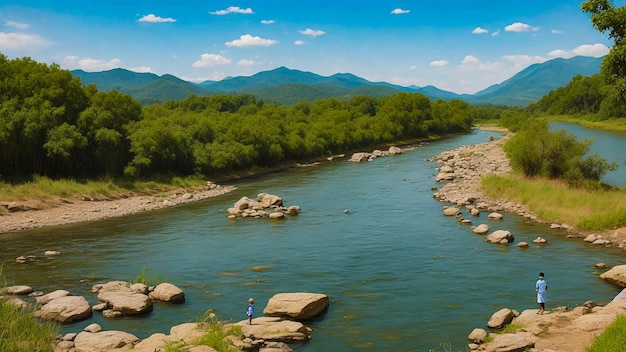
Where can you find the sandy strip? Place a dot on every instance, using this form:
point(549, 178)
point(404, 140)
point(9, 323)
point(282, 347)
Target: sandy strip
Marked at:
point(35, 214)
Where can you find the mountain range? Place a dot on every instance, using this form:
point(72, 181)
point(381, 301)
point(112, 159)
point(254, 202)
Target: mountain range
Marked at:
point(287, 86)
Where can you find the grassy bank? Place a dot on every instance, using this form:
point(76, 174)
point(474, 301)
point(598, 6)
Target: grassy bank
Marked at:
point(45, 188)
point(20, 330)
point(554, 201)
point(613, 125)
point(612, 339)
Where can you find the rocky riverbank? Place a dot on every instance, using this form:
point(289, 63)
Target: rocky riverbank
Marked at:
point(562, 329)
point(461, 172)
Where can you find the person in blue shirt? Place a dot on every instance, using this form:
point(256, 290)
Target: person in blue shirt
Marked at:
point(250, 311)
point(541, 287)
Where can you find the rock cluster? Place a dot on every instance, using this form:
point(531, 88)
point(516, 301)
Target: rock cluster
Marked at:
point(363, 156)
point(118, 298)
point(265, 205)
point(462, 170)
point(561, 329)
point(265, 334)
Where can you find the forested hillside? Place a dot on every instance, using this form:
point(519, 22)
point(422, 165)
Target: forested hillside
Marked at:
point(52, 125)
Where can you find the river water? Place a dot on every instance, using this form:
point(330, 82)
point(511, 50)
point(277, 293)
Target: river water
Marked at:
point(610, 145)
point(400, 275)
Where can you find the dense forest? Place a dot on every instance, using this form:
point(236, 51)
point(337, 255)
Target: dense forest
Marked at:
point(52, 125)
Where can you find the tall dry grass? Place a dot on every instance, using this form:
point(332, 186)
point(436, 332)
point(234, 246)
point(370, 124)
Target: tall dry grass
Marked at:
point(552, 200)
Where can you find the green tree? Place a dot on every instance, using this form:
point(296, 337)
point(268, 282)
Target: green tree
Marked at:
point(105, 123)
point(537, 151)
point(605, 17)
point(34, 99)
point(62, 148)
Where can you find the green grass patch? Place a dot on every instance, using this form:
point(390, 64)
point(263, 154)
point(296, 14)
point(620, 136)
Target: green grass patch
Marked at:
point(146, 278)
point(215, 335)
point(613, 339)
point(550, 200)
point(509, 329)
point(21, 331)
point(40, 187)
point(591, 121)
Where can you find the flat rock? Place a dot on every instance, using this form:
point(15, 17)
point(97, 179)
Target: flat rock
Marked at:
point(103, 341)
point(297, 305)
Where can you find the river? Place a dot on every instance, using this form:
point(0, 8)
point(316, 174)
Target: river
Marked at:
point(400, 275)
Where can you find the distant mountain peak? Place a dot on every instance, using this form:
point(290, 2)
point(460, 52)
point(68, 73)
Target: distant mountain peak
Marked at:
point(286, 85)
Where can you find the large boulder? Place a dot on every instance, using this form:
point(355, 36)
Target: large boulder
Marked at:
point(393, 150)
point(269, 200)
point(481, 229)
point(18, 290)
point(501, 318)
point(167, 292)
point(616, 275)
point(359, 157)
point(477, 336)
point(103, 341)
point(242, 203)
point(66, 309)
point(274, 329)
point(52, 295)
point(297, 305)
point(509, 343)
point(123, 297)
point(129, 303)
point(500, 236)
point(450, 211)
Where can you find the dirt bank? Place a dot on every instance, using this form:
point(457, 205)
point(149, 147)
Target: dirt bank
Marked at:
point(19, 216)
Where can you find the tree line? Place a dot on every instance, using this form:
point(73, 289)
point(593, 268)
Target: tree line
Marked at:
point(52, 125)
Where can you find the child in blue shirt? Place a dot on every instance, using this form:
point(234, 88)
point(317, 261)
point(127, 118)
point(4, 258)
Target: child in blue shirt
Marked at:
point(541, 287)
point(250, 311)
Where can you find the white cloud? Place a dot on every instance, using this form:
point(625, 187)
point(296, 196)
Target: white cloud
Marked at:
point(595, 50)
point(16, 24)
point(560, 53)
point(439, 63)
point(247, 40)
point(312, 32)
point(141, 69)
point(470, 60)
point(479, 30)
point(215, 76)
point(472, 63)
point(299, 42)
point(211, 60)
point(246, 62)
point(496, 33)
point(233, 9)
point(523, 61)
point(268, 21)
point(12, 41)
point(89, 64)
point(412, 67)
point(556, 31)
point(399, 11)
point(520, 27)
point(151, 18)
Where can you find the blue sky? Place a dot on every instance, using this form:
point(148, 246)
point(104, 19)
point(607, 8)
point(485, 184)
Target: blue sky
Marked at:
point(462, 46)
